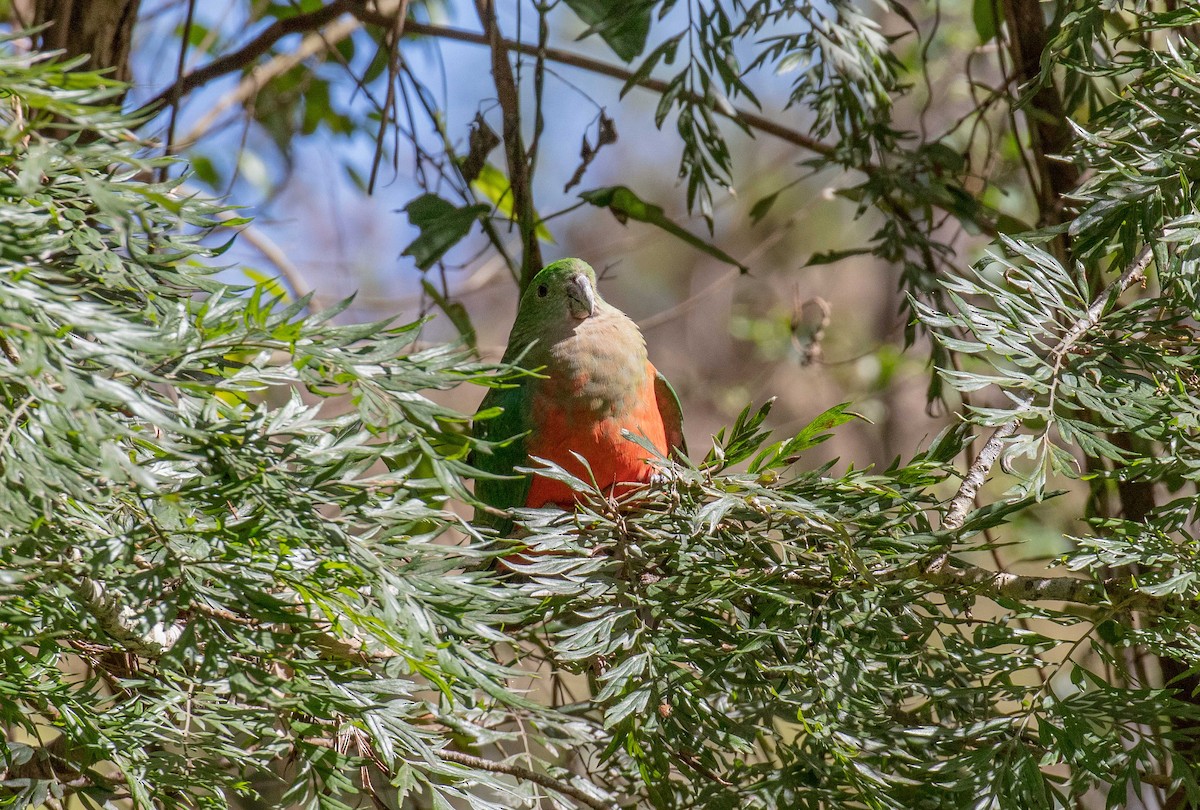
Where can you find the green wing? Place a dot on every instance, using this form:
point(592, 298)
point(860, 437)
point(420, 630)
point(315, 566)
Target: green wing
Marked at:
point(672, 415)
point(501, 459)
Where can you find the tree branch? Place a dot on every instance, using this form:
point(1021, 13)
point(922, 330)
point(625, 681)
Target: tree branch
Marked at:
point(245, 56)
point(999, 585)
point(753, 120)
point(304, 22)
point(514, 144)
point(117, 622)
point(272, 252)
point(759, 122)
point(314, 43)
point(63, 763)
point(530, 776)
point(184, 41)
point(114, 620)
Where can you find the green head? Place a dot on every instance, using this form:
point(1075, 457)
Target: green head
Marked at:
point(562, 294)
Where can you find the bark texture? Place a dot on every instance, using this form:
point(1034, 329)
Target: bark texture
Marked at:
point(99, 29)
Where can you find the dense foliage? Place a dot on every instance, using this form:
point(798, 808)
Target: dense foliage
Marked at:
point(223, 517)
point(234, 568)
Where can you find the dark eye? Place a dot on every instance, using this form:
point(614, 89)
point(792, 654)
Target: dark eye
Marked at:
point(543, 291)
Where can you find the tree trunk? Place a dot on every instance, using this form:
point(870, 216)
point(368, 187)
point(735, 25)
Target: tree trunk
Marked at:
point(99, 29)
point(1049, 132)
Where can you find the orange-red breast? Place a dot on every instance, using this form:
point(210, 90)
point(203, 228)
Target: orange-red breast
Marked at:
point(596, 382)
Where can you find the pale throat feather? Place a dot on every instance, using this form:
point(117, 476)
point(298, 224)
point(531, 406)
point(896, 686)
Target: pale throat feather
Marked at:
point(600, 366)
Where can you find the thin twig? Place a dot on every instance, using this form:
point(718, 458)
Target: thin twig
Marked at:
point(530, 776)
point(455, 172)
point(392, 43)
point(15, 420)
point(301, 23)
point(266, 246)
point(273, 253)
point(1003, 585)
point(752, 120)
point(254, 81)
point(184, 41)
point(733, 274)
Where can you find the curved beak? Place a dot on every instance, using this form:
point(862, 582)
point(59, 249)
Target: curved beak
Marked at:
point(581, 297)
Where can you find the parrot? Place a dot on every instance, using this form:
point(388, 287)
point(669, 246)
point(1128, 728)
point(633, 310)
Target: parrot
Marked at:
point(594, 380)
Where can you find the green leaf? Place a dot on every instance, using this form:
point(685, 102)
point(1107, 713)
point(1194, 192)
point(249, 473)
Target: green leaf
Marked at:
point(760, 208)
point(782, 454)
point(626, 205)
point(623, 24)
point(205, 171)
point(271, 285)
point(442, 227)
point(832, 256)
point(984, 13)
point(493, 184)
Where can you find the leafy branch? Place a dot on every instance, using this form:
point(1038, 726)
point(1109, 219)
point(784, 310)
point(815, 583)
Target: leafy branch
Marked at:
point(981, 465)
point(985, 219)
